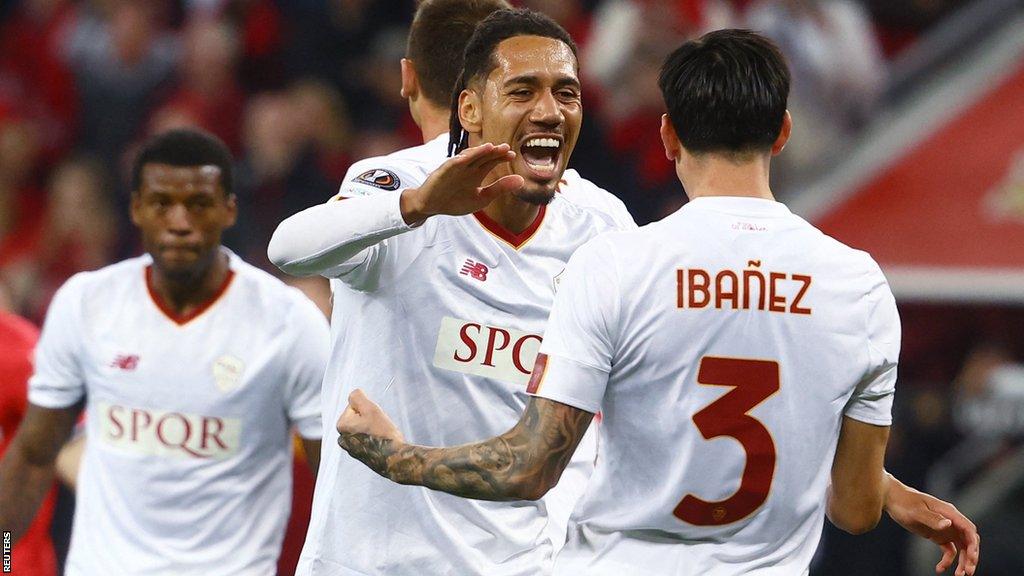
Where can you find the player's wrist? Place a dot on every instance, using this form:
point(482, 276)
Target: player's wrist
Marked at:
point(892, 492)
point(413, 207)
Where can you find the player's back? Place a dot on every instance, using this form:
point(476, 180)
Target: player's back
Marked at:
point(741, 336)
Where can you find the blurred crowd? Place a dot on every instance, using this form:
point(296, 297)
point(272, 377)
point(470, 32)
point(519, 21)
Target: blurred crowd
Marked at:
point(299, 89)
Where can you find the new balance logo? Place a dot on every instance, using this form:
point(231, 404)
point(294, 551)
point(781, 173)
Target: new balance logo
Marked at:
point(475, 270)
point(126, 362)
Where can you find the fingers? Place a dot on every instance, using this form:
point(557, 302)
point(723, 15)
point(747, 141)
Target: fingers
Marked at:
point(948, 555)
point(503, 185)
point(934, 520)
point(969, 556)
point(358, 401)
point(484, 150)
point(346, 420)
point(485, 155)
point(967, 538)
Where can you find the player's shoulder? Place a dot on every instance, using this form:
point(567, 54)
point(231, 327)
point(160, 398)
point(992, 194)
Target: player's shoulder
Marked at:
point(269, 295)
point(92, 292)
point(107, 279)
point(587, 196)
point(401, 169)
point(841, 254)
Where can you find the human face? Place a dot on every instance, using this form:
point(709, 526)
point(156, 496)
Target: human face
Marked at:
point(531, 101)
point(181, 212)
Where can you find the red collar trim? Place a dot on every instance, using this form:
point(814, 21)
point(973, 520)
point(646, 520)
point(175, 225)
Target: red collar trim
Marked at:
point(517, 241)
point(182, 319)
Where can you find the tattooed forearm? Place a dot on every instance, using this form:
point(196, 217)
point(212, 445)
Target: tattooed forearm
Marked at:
point(522, 463)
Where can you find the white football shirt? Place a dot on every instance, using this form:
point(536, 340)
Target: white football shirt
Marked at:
point(723, 345)
point(187, 470)
point(441, 326)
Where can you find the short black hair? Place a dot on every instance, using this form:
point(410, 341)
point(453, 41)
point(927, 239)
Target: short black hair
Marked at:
point(185, 147)
point(478, 60)
point(726, 92)
point(438, 37)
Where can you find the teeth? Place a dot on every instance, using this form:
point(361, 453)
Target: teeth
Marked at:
point(542, 142)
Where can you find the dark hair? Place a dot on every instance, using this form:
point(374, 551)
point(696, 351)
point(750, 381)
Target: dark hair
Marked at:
point(438, 37)
point(726, 92)
point(185, 147)
point(478, 60)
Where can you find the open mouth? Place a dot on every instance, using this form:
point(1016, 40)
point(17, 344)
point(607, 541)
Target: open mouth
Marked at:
point(540, 155)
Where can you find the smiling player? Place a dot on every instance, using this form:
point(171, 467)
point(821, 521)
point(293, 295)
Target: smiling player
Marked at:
point(443, 315)
point(744, 362)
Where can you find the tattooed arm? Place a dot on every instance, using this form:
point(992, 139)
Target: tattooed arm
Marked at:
point(521, 464)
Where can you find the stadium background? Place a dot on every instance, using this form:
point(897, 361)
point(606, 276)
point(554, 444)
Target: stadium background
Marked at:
point(908, 142)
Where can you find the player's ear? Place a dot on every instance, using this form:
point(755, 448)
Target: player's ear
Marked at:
point(469, 111)
point(787, 129)
point(410, 81)
point(670, 139)
point(135, 208)
point(231, 215)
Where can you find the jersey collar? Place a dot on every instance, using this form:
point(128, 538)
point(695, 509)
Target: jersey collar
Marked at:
point(182, 319)
point(738, 205)
point(513, 239)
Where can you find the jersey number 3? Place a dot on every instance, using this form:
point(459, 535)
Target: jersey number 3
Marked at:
point(753, 381)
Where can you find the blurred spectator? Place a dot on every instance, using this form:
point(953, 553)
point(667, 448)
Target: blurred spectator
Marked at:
point(209, 91)
point(901, 21)
point(260, 26)
point(32, 73)
point(331, 39)
point(381, 85)
point(323, 122)
point(621, 64)
point(279, 174)
point(79, 232)
point(22, 204)
point(120, 57)
point(571, 14)
point(621, 26)
point(837, 68)
point(990, 394)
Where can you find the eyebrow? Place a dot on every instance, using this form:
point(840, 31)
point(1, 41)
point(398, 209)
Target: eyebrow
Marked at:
point(533, 80)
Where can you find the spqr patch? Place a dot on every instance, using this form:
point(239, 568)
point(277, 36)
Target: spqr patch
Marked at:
point(379, 178)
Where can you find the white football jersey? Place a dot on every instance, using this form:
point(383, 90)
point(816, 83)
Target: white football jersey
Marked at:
point(723, 344)
point(441, 326)
point(188, 465)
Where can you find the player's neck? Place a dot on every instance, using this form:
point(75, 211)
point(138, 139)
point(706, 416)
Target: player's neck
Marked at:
point(433, 121)
point(184, 293)
point(717, 176)
point(513, 214)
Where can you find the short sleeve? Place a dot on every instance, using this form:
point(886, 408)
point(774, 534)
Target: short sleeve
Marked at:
point(58, 380)
point(872, 399)
point(310, 342)
point(578, 347)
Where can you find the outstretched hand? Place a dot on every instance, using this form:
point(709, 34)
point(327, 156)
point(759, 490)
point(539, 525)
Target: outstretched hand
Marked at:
point(456, 187)
point(939, 521)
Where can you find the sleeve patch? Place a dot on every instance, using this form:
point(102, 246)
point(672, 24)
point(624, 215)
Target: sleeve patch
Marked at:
point(379, 178)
